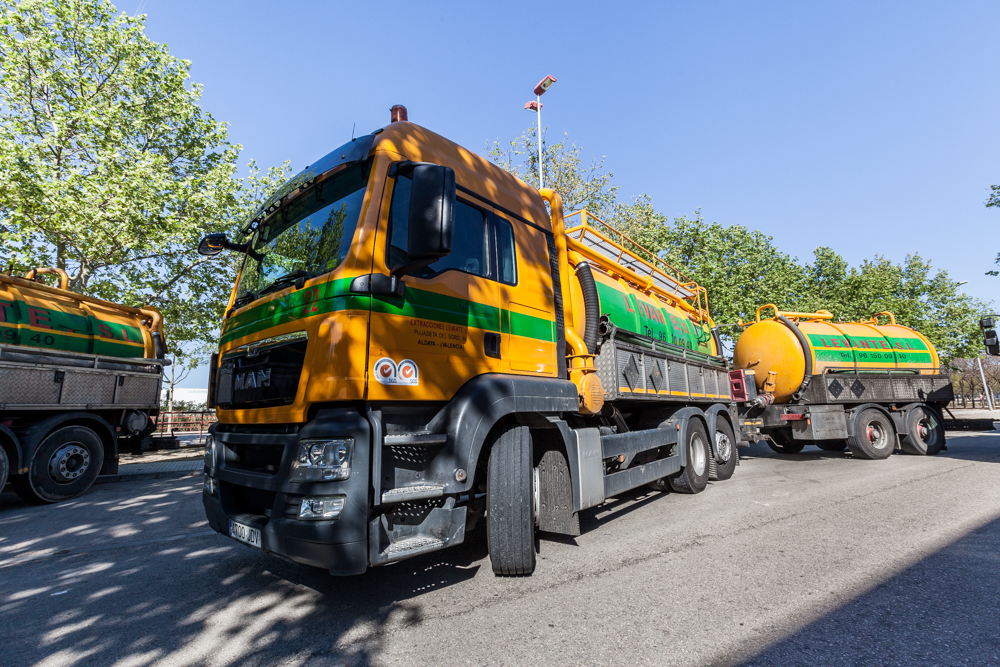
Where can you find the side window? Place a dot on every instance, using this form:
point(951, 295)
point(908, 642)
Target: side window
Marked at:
point(468, 246)
point(506, 256)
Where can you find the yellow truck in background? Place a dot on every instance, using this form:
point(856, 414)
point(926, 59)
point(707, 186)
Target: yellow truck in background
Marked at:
point(79, 377)
point(418, 341)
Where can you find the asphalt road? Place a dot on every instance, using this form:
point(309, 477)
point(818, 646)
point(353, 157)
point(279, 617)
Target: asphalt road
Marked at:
point(806, 559)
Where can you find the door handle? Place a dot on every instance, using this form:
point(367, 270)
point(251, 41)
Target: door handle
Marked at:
point(492, 345)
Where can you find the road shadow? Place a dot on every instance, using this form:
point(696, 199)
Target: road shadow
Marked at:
point(984, 448)
point(203, 598)
point(943, 610)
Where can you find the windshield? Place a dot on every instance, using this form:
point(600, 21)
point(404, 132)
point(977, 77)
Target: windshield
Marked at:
point(309, 236)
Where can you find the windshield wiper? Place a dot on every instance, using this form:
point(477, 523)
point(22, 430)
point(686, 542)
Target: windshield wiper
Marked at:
point(287, 279)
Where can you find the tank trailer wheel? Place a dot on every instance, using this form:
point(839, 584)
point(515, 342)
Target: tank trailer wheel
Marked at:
point(782, 444)
point(925, 435)
point(693, 478)
point(725, 443)
point(831, 445)
point(872, 435)
point(511, 503)
point(63, 466)
point(4, 469)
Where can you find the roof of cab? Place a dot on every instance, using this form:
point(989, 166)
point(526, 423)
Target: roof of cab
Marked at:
point(472, 171)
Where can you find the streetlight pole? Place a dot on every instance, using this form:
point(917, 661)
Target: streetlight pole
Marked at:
point(979, 361)
point(536, 106)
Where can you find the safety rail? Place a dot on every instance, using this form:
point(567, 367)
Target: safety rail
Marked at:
point(643, 268)
point(184, 423)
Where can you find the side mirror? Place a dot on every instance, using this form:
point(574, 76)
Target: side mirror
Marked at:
point(431, 224)
point(212, 244)
point(216, 242)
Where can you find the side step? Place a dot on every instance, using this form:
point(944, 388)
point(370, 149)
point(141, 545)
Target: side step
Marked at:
point(412, 546)
point(393, 537)
point(407, 493)
point(419, 439)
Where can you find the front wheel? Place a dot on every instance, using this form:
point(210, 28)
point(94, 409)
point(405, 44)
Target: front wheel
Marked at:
point(872, 435)
point(725, 444)
point(693, 478)
point(510, 503)
point(63, 466)
point(925, 433)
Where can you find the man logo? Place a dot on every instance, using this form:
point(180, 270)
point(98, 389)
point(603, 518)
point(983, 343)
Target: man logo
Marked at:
point(251, 380)
point(388, 372)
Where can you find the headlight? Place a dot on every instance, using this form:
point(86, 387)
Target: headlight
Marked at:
point(323, 460)
point(210, 452)
point(313, 509)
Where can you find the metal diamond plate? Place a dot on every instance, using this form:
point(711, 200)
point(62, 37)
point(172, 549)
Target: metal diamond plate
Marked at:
point(697, 379)
point(88, 388)
point(138, 391)
point(28, 386)
point(677, 374)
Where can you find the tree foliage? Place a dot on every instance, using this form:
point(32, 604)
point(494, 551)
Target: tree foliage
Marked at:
point(109, 168)
point(742, 268)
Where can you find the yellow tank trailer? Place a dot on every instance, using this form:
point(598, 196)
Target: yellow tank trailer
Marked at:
point(838, 385)
point(78, 377)
point(417, 339)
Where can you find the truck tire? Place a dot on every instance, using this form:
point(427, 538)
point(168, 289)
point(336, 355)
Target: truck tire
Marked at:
point(831, 445)
point(693, 478)
point(925, 432)
point(63, 466)
point(782, 444)
point(871, 435)
point(4, 469)
point(725, 442)
point(510, 502)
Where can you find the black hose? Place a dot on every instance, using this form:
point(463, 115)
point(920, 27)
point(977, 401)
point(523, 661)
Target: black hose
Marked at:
point(591, 306)
point(158, 348)
point(806, 350)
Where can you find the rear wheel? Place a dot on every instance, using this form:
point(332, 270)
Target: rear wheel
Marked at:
point(781, 443)
point(831, 445)
point(63, 466)
point(925, 432)
point(693, 478)
point(4, 469)
point(872, 435)
point(725, 444)
point(510, 503)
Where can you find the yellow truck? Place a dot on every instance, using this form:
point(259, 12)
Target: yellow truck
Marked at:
point(79, 377)
point(872, 387)
point(418, 341)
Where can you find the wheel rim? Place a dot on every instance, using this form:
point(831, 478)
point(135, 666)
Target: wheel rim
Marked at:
point(697, 454)
point(724, 445)
point(924, 429)
point(68, 463)
point(876, 435)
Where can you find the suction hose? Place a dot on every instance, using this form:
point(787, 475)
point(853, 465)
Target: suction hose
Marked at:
point(591, 306)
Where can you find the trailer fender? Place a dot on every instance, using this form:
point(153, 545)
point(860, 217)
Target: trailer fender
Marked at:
point(717, 411)
point(32, 435)
point(483, 401)
point(12, 445)
point(681, 419)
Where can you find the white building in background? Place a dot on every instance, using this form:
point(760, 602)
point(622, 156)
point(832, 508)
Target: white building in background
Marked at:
point(188, 395)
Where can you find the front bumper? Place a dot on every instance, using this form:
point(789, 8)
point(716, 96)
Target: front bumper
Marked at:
point(251, 470)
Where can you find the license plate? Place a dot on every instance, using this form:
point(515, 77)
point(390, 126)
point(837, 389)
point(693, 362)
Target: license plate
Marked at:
point(244, 533)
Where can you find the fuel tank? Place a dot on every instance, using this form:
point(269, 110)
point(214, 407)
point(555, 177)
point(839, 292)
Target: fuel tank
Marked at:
point(795, 345)
point(37, 315)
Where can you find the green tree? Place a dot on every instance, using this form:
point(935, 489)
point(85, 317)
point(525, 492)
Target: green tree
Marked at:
point(109, 168)
point(994, 200)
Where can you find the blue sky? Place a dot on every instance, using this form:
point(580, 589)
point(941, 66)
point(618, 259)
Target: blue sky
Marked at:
point(868, 127)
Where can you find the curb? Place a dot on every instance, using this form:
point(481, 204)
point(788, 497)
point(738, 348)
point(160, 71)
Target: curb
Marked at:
point(143, 476)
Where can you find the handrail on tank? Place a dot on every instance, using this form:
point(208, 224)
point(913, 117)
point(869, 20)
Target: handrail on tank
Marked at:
point(874, 318)
point(818, 315)
point(146, 312)
point(63, 276)
point(697, 304)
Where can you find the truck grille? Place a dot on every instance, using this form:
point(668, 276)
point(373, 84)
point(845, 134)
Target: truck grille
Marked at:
point(245, 500)
point(269, 377)
point(264, 459)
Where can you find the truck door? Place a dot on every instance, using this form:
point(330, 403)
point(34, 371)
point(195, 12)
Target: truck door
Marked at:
point(446, 328)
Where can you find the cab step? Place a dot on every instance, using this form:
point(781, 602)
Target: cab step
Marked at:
point(405, 494)
point(421, 439)
point(412, 546)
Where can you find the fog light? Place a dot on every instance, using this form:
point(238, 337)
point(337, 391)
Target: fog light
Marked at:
point(210, 486)
point(329, 507)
